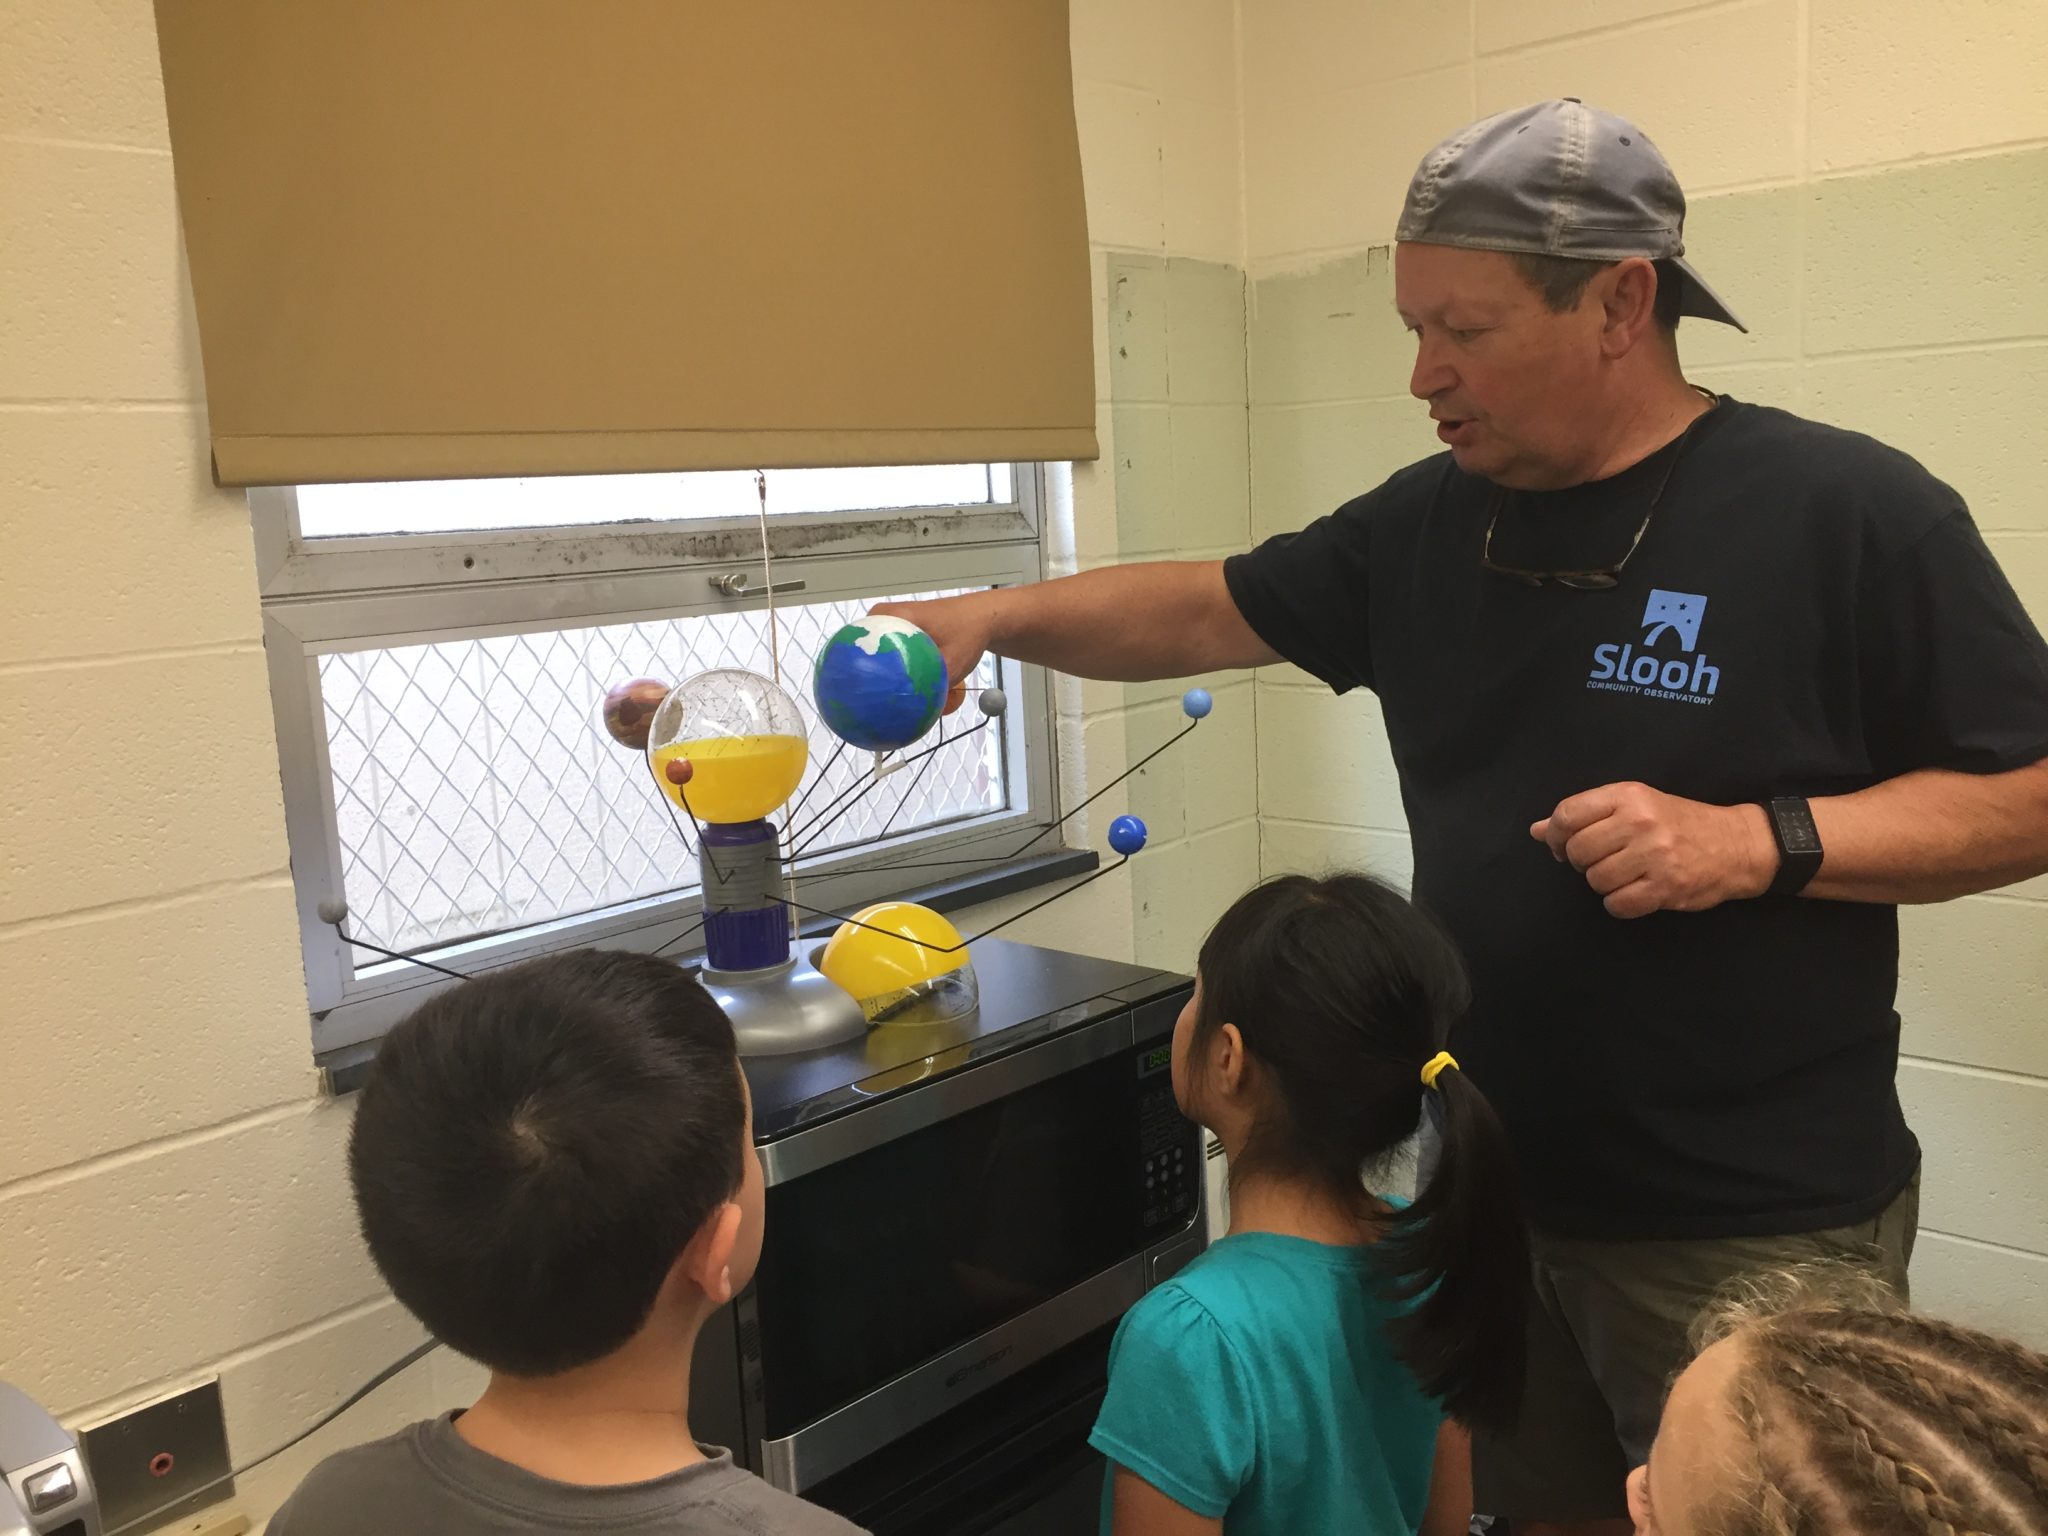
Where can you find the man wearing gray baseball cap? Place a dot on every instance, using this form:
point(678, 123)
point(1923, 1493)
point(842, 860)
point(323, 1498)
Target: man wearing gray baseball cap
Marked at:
point(1686, 695)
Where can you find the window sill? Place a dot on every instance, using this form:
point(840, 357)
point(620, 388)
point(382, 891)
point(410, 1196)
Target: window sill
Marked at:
point(344, 1071)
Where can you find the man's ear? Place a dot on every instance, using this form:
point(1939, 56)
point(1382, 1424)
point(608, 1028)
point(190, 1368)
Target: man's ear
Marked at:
point(707, 1261)
point(1628, 300)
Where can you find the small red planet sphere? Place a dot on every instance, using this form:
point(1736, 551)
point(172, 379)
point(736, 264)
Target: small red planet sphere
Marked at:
point(678, 771)
point(629, 710)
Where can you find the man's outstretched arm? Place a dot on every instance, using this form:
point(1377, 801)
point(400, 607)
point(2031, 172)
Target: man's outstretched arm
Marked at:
point(1125, 623)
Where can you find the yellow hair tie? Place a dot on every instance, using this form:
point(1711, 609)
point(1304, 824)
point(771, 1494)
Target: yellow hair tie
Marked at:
point(1434, 1067)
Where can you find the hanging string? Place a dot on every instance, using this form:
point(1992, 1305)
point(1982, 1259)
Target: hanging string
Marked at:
point(774, 651)
point(768, 577)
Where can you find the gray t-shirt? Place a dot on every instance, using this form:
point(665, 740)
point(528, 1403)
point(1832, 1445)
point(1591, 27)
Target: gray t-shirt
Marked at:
point(428, 1478)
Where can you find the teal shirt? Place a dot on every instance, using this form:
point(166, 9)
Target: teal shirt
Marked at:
point(1258, 1386)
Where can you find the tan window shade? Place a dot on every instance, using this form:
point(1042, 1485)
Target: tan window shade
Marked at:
point(452, 238)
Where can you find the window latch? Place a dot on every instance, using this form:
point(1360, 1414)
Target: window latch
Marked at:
point(734, 584)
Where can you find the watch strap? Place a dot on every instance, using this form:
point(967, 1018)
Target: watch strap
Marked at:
point(1799, 849)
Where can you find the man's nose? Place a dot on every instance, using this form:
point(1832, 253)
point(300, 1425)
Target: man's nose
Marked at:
point(1432, 374)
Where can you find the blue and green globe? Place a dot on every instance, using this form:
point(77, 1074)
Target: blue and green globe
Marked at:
point(880, 683)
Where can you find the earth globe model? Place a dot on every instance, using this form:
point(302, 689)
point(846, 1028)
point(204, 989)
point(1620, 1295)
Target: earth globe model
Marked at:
point(880, 683)
point(728, 745)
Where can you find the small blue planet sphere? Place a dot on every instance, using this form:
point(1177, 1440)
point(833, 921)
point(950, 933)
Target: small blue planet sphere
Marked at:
point(880, 683)
point(1126, 835)
point(1196, 703)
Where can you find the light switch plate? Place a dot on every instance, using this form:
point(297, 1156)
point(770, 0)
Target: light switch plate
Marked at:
point(150, 1464)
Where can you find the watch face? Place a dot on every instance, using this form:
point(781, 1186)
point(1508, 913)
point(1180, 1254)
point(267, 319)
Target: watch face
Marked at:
point(1795, 827)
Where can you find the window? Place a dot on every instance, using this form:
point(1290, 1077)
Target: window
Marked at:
point(438, 655)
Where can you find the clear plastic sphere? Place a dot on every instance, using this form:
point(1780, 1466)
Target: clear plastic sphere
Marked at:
point(744, 741)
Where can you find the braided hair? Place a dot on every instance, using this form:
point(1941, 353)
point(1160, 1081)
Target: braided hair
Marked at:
point(1862, 1420)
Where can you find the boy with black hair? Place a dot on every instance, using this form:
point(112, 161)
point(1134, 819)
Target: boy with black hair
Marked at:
point(554, 1171)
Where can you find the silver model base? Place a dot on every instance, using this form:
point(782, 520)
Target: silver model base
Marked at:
point(787, 1008)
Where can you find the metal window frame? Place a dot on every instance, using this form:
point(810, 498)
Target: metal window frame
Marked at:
point(288, 564)
point(317, 602)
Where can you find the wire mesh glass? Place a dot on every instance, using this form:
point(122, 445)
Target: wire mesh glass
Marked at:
point(476, 790)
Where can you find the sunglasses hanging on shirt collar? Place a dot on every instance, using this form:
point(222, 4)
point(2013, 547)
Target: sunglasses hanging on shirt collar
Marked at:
point(1599, 578)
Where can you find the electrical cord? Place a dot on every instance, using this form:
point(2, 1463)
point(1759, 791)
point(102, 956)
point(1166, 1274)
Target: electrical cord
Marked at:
point(314, 1428)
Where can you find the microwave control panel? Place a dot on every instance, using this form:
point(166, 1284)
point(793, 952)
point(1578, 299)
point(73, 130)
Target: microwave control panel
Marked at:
point(1169, 1144)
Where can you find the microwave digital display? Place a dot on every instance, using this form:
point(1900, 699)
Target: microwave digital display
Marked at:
point(1156, 1060)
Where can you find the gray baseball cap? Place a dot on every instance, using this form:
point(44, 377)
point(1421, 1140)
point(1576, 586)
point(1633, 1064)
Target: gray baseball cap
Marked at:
point(1557, 179)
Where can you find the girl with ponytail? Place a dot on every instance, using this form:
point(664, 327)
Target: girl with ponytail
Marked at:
point(1309, 1373)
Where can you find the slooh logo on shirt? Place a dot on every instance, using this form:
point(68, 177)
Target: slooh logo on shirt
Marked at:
point(1688, 677)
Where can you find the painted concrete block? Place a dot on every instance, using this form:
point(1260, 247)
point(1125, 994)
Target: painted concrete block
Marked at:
point(1120, 141)
point(1986, 1140)
point(1155, 792)
point(1324, 758)
point(85, 71)
point(1092, 485)
point(2024, 559)
point(1973, 983)
point(1972, 418)
point(1181, 890)
point(93, 295)
point(1116, 42)
point(1327, 172)
point(275, 1390)
point(1210, 481)
point(1718, 92)
point(2000, 1290)
point(1310, 460)
point(150, 1021)
point(1144, 480)
point(1095, 920)
point(1195, 49)
point(1301, 47)
point(1780, 384)
point(1137, 328)
point(116, 537)
point(95, 816)
point(1505, 24)
point(1205, 347)
point(1747, 246)
point(1203, 209)
point(1893, 79)
point(1098, 291)
point(1329, 333)
point(143, 1267)
point(1928, 256)
point(1298, 847)
point(1219, 762)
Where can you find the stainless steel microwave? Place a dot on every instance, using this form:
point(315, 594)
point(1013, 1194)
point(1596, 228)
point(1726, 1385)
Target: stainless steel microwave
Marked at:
point(957, 1217)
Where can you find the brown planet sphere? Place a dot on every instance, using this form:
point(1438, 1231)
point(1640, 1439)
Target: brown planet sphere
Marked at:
point(678, 771)
point(629, 710)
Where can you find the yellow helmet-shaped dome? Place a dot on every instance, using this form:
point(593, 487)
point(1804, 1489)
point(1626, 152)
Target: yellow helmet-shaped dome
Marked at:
point(904, 964)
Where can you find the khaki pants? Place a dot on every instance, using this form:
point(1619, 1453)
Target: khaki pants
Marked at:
point(1608, 1333)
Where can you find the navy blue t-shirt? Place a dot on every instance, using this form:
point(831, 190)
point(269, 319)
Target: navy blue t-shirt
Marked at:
point(1808, 613)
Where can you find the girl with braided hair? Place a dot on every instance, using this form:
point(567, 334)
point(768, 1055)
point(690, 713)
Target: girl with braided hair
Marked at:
point(1836, 1419)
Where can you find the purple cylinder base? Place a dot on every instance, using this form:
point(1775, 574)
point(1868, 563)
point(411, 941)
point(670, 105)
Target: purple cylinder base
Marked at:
point(746, 941)
point(746, 924)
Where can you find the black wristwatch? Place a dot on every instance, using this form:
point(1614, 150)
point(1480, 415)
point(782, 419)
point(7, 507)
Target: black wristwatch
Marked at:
point(1799, 850)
